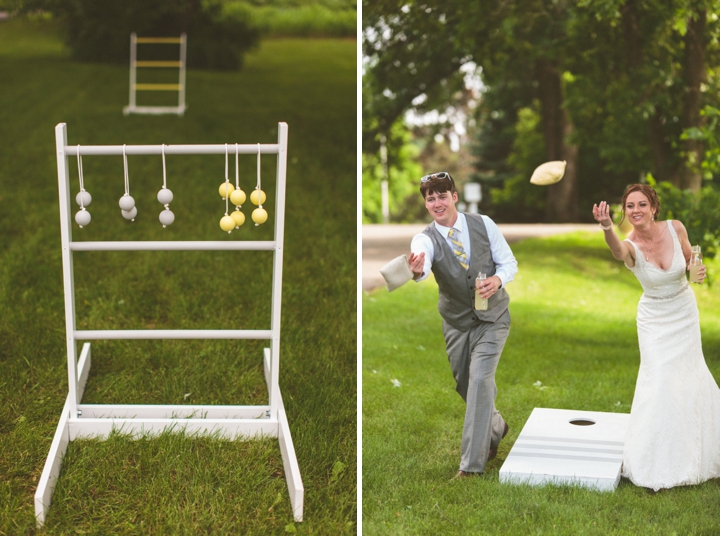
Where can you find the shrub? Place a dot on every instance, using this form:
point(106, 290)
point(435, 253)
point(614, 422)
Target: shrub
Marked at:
point(699, 212)
point(99, 30)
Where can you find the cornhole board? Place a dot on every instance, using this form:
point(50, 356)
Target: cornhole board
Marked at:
point(561, 446)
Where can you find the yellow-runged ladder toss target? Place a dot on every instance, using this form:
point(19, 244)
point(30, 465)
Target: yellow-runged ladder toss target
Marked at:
point(133, 108)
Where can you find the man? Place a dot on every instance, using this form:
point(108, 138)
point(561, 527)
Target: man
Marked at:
point(456, 247)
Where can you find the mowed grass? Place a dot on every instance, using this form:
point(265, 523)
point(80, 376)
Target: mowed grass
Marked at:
point(176, 484)
point(572, 345)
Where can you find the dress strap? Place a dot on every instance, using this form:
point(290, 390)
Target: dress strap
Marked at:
point(672, 228)
point(676, 240)
point(638, 254)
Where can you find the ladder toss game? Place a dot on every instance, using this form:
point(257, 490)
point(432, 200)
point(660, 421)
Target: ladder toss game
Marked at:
point(80, 420)
point(133, 108)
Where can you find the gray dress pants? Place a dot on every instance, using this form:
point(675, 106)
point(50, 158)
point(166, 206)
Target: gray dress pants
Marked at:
point(474, 357)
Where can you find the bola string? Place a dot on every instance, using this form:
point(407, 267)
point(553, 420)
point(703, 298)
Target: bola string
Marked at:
point(83, 198)
point(127, 203)
point(165, 196)
point(164, 168)
point(227, 223)
point(258, 179)
point(259, 215)
point(227, 182)
point(127, 177)
point(80, 177)
point(237, 170)
point(237, 196)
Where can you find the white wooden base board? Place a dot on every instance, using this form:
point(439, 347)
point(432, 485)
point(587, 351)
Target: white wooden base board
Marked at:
point(230, 422)
point(552, 450)
point(154, 110)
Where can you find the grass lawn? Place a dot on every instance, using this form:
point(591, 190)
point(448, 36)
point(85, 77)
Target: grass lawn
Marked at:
point(572, 345)
point(175, 484)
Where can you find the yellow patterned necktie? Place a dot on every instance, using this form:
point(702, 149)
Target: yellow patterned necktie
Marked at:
point(458, 248)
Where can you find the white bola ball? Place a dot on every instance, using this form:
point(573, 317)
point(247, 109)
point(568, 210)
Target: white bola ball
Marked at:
point(165, 196)
point(83, 198)
point(127, 203)
point(82, 217)
point(129, 214)
point(167, 217)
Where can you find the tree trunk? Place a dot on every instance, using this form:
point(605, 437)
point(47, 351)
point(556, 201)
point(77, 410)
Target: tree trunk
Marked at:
point(661, 150)
point(557, 128)
point(694, 75)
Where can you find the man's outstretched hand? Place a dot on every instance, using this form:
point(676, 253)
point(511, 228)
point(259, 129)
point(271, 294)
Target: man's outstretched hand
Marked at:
point(417, 263)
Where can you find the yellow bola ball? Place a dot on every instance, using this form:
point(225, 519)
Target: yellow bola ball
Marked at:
point(227, 223)
point(259, 216)
point(237, 197)
point(225, 189)
point(238, 217)
point(254, 197)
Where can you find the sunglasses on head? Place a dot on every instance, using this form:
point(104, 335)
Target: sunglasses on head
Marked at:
point(442, 175)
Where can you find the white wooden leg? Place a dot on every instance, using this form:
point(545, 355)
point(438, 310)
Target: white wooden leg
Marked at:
point(58, 447)
point(287, 449)
point(290, 464)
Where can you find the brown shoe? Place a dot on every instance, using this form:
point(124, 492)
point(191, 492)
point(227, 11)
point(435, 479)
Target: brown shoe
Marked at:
point(493, 452)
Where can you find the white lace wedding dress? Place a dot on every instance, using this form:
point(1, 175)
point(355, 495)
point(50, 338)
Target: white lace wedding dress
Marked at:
point(674, 434)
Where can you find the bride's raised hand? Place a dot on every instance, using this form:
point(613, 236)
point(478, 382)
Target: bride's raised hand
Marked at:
point(601, 213)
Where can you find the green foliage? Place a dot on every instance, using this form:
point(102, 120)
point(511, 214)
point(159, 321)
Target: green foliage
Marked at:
point(297, 19)
point(709, 133)
point(404, 199)
point(572, 345)
point(699, 212)
point(99, 30)
point(518, 200)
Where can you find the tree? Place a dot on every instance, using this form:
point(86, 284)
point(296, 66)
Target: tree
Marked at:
point(649, 60)
point(621, 84)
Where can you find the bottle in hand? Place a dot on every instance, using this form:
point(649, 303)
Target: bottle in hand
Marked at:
point(695, 264)
point(481, 304)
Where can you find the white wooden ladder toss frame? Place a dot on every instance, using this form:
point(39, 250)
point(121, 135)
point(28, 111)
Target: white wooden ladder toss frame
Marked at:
point(133, 108)
point(234, 422)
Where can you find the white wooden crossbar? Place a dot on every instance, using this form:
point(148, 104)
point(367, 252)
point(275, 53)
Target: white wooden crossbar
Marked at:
point(126, 411)
point(231, 422)
point(170, 334)
point(108, 150)
point(148, 245)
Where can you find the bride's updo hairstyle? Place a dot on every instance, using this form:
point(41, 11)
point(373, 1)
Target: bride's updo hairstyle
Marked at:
point(648, 192)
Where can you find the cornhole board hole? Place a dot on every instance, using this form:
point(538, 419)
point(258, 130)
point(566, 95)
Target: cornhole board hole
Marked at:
point(560, 446)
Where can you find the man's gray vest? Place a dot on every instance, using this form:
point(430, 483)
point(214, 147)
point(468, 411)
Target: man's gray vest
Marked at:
point(456, 285)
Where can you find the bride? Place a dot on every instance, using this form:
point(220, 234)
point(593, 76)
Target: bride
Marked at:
point(674, 434)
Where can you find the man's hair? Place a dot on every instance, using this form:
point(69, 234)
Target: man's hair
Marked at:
point(437, 186)
point(648, 192)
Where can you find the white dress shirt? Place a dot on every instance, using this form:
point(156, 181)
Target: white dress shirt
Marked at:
point(505, 263)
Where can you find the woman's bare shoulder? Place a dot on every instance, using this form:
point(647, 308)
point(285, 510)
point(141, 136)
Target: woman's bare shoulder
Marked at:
point(678, 226)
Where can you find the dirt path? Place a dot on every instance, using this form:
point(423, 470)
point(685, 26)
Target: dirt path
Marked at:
point(382, 243)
